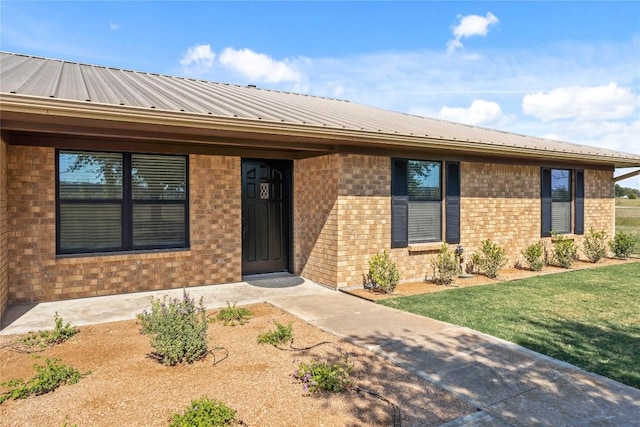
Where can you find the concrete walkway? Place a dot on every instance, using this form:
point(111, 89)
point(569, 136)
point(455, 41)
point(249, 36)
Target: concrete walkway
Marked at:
point(511, 386)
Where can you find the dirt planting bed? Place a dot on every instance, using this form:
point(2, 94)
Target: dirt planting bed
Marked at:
point(128, 388)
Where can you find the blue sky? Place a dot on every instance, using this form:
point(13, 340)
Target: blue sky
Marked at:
point(565, 70)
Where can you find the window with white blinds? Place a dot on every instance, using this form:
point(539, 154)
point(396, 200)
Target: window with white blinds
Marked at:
point(425, 221)
point(120, 201)
point(561, 217)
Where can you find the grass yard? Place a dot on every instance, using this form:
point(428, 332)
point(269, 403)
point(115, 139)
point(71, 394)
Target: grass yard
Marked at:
point(628, 219)
point(590, 318)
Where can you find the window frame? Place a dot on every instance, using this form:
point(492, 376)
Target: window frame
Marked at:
point(127, 203)
point(576, 190)
point(564, 200)
point(400, 190)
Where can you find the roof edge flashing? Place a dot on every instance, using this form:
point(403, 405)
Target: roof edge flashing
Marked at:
point(24, 104)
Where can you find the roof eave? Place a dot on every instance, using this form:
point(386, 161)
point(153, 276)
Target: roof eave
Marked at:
point(30, 105)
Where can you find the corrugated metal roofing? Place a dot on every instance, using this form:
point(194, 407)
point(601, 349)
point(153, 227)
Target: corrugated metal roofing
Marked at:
point(69, 81)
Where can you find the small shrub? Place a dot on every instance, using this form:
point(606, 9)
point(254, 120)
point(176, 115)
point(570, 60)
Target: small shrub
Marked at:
point(534, 255)
point(232, 315)
point(622, 244)
point(325, 375)
point(49, 377)
point(60, 333)
point(176, 328)
point(490, 258)
point(595, 245)
point(205, 412)
point(67, 422)
point(446, 266)
point(383, 273)
point(280, 335)
point(564, 250)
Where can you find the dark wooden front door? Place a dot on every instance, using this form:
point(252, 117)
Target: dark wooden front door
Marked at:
point(265, 215)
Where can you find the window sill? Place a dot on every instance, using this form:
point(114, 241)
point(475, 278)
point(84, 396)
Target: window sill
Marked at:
point(425, 247)
point(568, 236)
point(125, 255)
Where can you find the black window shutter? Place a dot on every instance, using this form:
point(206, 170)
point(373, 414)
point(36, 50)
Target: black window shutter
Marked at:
point(452, 203)
point(399, 204)
point(545, 196)
point(579, 202)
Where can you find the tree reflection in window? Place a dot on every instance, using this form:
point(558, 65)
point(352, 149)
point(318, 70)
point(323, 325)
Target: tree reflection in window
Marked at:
point(90, 175)
point(423, 180)
point(560, 184)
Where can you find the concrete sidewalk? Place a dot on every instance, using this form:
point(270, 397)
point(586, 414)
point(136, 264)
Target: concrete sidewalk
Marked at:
point(511, 386)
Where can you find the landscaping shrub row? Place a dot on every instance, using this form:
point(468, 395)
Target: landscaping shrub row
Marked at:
point(383, 274)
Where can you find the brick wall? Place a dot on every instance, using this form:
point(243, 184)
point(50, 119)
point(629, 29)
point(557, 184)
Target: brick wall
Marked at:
point(341, 219)
point(35, 274)
point(316, 218)
point(599, 202)
point(599, 205)
point(500, 202)
point(364, 213)
point(4, 232)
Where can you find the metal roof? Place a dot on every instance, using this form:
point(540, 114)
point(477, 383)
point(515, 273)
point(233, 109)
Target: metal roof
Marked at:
point(64, 81)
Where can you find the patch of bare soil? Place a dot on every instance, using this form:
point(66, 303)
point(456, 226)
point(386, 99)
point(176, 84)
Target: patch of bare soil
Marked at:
point(504, 275)
point(127, 388)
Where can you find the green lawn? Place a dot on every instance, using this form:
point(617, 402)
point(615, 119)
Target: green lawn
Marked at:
point(628, 219)
point(590, 318)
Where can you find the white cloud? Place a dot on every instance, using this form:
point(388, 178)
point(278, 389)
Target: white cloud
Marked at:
point(258, 66)
point(481, 112)
point(113, 26)
point(608, 102)
point(198, 59)
point(469, 26)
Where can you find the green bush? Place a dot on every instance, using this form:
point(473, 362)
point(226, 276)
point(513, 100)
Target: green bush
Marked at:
point(325, 375)
point(280, 335)
point(232, 315)
point(205, 412)
point(60, 333)
point(49, 377)
point(383, 273)
point(622, 244)
point(67, 422)
point(446, 266)
point(176, 328)
point(490, 258)
point(595, 245)
point(564, 250)
point(534, 255)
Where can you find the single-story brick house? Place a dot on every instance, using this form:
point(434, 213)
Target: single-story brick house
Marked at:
point(117, 181)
